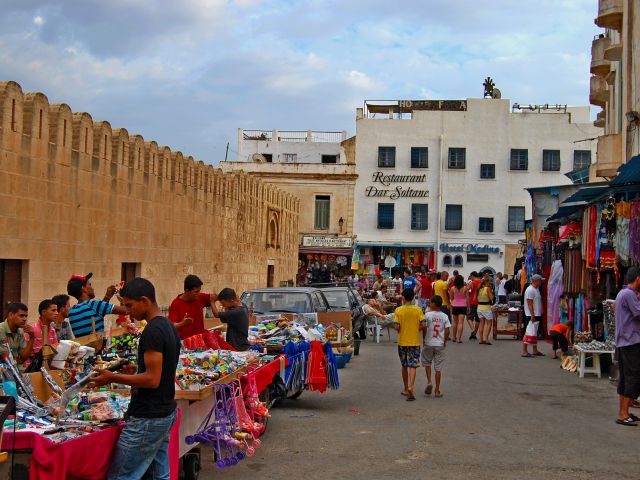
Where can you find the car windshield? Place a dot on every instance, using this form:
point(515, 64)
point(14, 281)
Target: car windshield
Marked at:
point(337, 298)
point(277, 301)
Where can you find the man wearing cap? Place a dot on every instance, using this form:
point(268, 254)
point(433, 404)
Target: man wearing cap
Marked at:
point(89, 307)
point(532, 313)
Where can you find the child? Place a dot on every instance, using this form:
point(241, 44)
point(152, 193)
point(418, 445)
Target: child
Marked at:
point(561, 335)
point(409, 321)
point(435, 338)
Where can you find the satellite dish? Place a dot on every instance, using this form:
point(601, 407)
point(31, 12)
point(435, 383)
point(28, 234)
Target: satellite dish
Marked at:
point(496, 93)
point(258, 158)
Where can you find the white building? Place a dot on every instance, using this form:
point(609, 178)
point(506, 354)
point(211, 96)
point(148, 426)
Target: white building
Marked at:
point(442, 183)
point(319, 169)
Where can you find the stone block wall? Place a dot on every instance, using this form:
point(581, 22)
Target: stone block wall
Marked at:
point(77, 195)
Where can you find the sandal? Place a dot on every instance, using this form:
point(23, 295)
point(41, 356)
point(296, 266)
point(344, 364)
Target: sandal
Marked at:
point(438, 395)
point(627, 422)
point(404, 394)
point(410, 397)
point(633, 417)
point(488, 343)
point(482, 343)
point(540, 354)
point(428, 390)
point(527, 355)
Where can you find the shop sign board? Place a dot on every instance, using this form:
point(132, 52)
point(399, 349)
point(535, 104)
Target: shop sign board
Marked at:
point(437, 105)
point(477, 257)
point(382, 180)
point(473, 248)
point(327, 241)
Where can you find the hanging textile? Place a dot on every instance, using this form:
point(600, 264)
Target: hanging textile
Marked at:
point(621, 242)
point(634, 233)
point(555, 289)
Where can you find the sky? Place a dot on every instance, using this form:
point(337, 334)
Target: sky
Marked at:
point(189, 73)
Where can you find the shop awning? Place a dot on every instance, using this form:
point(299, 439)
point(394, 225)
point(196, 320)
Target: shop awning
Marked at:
point(327, 251)
point(396, 245)
point(564, 211)
point(628, 174)
point(585, 195)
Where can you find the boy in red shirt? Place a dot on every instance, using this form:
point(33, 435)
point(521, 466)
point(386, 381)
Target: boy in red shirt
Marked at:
point(426, 289)
point(472, 319)
point(186, 310)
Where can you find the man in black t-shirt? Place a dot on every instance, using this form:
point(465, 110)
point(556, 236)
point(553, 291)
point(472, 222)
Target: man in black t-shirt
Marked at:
point(236, 317)
point(144, 441)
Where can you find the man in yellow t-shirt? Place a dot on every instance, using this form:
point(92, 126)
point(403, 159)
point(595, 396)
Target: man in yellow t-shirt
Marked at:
point(408, 319)
point(441, 288)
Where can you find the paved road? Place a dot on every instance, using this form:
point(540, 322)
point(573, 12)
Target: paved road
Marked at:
point(501, 417)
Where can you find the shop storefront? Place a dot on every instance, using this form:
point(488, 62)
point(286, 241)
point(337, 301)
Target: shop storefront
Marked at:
point(584, 251)
point(392, 258)
point(324, 259)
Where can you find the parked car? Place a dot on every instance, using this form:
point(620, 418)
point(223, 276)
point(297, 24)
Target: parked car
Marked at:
point(346, 298)
point(265, 301)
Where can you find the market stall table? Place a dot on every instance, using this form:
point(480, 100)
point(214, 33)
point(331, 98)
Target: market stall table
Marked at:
point(595, 355)
point(514, 330)
point(87, 457)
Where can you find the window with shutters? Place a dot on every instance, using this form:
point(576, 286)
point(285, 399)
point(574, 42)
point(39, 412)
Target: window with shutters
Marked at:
point(457, 158)
point(516, 219)
point(550, 160)
point(453, 217)
point(385, 215)
point(386, 157)
point(419, 157)
point(581, 159)
point(485, 224)
point(419, 216)
point(323, 209)
point(519, 159)
point(487, 170)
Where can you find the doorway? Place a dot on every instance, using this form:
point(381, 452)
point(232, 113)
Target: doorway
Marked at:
point(10, 283)
point(129, 271)
point(271, 270)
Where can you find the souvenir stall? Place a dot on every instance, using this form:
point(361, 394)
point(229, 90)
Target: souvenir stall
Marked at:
point(59, 421)
point(323, 265)
point(589, 244)
point(377, 259)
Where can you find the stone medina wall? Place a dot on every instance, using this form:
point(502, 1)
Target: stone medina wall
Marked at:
point(78, 196)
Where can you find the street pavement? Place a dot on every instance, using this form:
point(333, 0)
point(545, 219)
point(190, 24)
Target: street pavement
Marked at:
point(501, 417)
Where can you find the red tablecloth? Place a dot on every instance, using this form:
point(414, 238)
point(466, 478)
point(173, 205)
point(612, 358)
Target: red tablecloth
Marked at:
point(264, 375)
point(84, 458)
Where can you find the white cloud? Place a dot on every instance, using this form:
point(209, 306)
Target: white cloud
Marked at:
point(38, 20)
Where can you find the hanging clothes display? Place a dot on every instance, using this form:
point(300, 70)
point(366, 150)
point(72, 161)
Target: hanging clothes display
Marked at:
point(634, 233)
point(623, 220)
point(555, 289)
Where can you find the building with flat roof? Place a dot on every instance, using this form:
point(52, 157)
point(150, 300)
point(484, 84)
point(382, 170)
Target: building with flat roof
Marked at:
point(441, 183)
point(319, 169)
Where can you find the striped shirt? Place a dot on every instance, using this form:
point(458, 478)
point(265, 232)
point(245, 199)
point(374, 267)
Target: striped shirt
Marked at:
point(81, 313)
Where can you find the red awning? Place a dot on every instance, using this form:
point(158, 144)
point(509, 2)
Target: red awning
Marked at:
point(347, 252)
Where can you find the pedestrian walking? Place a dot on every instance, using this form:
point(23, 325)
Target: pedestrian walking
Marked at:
point(440, 288)
point(485, 313)
point(628, 346)
point(459, 294)
point(426, 289)
point(409, 322)
point(436, 335)
point(502, 290)
point(472, 318)
point(532, 316)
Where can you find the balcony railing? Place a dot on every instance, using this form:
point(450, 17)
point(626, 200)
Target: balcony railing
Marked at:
point(294, 136)
point(610, 14)
point(609, 155)
point(598, 92)
point(599, 65)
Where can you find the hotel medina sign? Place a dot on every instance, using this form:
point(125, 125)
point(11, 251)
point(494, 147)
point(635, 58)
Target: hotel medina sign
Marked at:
point(384, 186)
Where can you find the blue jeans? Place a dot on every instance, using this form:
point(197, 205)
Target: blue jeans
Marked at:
point(143, 445)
